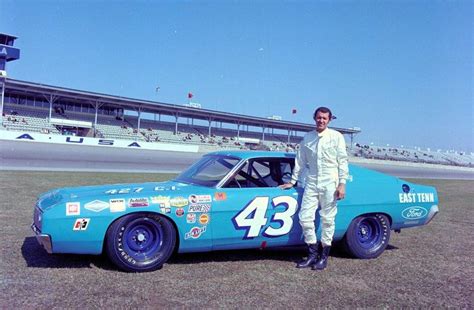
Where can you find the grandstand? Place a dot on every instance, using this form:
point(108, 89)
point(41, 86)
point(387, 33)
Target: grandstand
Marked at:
point(415, 155)
point(54, 110)
point(31, 107)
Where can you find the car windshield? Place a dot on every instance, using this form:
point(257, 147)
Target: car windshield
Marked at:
point(209, 170)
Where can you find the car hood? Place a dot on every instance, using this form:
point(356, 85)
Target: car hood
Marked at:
point(66, 194)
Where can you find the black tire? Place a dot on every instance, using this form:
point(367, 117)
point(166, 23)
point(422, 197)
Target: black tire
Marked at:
point(140, 242)
point(367, 236)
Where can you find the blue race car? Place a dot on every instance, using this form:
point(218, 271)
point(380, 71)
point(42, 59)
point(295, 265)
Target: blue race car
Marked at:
point(226, 200)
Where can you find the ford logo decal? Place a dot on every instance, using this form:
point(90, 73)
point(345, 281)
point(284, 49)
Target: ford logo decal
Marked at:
point(413, 213)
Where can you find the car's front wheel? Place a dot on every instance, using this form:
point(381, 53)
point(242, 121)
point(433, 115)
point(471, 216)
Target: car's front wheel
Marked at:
point(367, 236)
point(140, 242)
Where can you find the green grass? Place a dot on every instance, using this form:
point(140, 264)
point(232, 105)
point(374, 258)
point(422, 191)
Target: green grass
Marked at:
point(429, 266)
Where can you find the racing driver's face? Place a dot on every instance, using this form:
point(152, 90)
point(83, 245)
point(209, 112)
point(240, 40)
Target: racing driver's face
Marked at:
point(322, 121)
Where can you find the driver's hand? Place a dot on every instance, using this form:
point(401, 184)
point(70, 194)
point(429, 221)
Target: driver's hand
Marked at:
point(286, 186)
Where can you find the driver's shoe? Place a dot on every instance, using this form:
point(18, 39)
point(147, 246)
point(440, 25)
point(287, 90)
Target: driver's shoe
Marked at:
point(323, 259)
point(312, 256)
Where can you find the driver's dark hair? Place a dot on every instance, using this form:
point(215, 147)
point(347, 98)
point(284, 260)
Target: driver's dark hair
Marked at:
point(322, 110)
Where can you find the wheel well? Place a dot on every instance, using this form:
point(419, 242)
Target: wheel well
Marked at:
point(176, 247)
point(374, 213)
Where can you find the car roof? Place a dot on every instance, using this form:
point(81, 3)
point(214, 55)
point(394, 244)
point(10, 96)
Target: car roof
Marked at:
point(253, 154)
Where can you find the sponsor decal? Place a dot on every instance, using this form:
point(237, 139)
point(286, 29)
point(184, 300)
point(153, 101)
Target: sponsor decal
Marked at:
point(96, 205)
point(405, 188)
point(165, 209)
point(195, 232)
point(191, 218)
point(73, 208)
point(178, 202)
point(414, 213)
point(180, 212)
point(200, 208)
point(204, 219)
point(117, 205)
point(200, 198)
point(162, 201)
point(138, 202)
point(415, 197)
point(81, 224)
point(219, 196)
point(411, 222)
point(124, 191)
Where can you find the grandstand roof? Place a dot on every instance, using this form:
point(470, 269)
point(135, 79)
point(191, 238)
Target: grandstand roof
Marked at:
point(38, 89)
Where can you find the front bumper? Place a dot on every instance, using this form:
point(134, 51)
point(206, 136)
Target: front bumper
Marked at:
point(43, 239)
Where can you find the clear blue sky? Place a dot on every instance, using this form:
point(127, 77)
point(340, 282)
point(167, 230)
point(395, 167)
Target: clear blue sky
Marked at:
point(400, 70)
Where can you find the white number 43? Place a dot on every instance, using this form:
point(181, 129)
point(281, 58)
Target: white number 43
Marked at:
point(252, 217)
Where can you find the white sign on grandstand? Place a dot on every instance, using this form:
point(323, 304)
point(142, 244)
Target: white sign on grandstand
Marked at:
point(70, 123)
point(275, 117)
point(249, 140)
point(35, 137)
point(194, 105)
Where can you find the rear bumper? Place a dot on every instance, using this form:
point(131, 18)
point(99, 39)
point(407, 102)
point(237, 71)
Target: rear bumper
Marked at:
point(43, 239)
point(433, 211)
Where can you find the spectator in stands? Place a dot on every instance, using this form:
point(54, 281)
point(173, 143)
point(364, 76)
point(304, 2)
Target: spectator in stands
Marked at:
point(325, 184)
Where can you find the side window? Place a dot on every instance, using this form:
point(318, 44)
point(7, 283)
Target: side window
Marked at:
point(269, 172)
point(260, 169)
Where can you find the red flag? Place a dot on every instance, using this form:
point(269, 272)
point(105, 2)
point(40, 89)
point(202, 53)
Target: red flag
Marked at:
point(190, 95)
point(293, 111)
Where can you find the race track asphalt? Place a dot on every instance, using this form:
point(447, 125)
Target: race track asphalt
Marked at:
point(21, 155)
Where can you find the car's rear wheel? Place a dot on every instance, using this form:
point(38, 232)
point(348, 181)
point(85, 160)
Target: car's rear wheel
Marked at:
point(140, 242)
point(367, 236)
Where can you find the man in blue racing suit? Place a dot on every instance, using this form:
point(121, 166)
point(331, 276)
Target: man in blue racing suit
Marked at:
point(323, 153)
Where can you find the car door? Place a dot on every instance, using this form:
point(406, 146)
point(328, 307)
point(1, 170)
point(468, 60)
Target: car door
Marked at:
point(250, 210)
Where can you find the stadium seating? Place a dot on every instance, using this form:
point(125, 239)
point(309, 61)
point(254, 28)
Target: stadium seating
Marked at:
point(21, 117)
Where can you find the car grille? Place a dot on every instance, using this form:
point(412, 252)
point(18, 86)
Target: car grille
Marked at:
point(37, 218)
